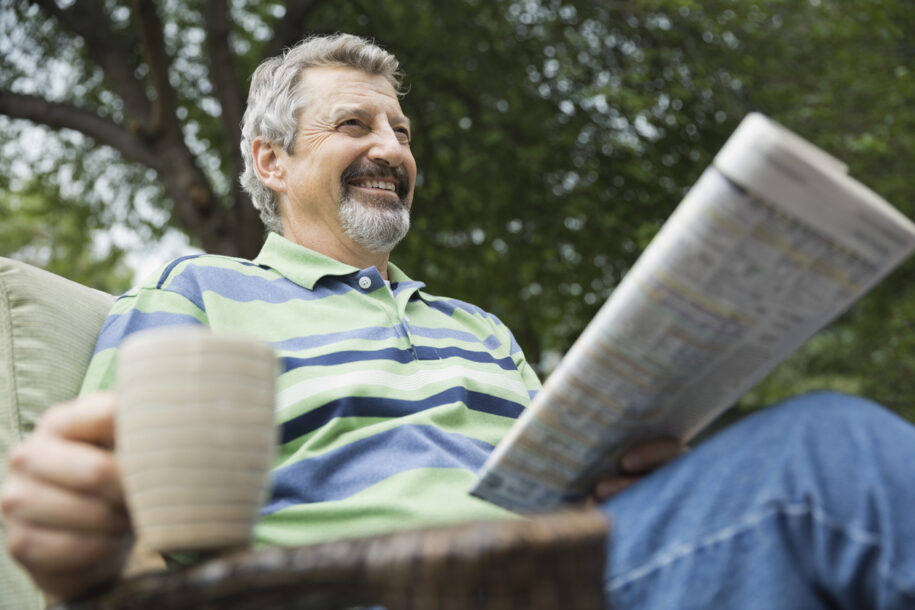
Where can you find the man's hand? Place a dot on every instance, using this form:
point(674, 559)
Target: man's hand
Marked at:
point(63, 505)
point(638, 461)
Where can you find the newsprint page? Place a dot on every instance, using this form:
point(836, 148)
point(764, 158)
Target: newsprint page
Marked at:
point(773, 242)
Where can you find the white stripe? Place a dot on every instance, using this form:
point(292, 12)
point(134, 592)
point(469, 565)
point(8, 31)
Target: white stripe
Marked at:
point(402, 383)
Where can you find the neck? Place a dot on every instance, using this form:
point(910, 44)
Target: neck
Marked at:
point(337, 247)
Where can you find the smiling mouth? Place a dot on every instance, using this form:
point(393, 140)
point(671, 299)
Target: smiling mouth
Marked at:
point(377, 183)
point(373, 184)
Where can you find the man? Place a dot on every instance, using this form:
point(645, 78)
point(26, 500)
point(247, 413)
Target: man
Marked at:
point(390, 398)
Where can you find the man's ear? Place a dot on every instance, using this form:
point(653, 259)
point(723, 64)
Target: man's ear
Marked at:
point(269, 165)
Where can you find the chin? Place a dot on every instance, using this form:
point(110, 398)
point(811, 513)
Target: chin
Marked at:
point(377, 228)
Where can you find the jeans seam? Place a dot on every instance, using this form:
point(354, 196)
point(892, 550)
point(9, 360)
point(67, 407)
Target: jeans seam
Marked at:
point(685, 549)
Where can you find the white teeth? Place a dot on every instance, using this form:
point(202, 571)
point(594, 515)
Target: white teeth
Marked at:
point(378, 184)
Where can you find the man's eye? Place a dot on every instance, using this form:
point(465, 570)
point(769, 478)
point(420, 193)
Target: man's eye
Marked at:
point(350, 123)
point(403, 134)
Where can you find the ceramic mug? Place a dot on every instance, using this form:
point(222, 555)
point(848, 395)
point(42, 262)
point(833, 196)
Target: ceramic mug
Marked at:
point(195, 436)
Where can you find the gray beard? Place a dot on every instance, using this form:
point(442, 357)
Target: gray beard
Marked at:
point(377, 227)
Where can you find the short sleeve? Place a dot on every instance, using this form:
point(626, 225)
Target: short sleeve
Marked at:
point(144, 307)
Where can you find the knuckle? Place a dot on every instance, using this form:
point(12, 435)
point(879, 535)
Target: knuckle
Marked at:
point(100, 519)
point(88, 549)
point(100, 472)
point(18, 543)
point(18, 457)
point(11, 498)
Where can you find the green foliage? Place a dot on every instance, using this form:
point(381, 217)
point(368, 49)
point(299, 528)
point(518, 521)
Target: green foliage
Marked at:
point(51, 233)
point(553, 139)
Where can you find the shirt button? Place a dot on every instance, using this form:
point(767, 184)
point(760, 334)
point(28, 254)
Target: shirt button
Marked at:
point(365, 282)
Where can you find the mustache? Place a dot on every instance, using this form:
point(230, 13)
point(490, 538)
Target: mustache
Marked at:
point(367, 169)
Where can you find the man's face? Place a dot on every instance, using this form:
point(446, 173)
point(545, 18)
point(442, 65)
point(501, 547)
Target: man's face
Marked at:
point(352, 173)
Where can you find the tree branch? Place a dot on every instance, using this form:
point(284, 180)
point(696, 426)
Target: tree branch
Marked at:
point(224, 75)
point(162, 115)
point(109, 50)
point(249, 233)
point(57, 116)
point(290, 27)
point(195, 203)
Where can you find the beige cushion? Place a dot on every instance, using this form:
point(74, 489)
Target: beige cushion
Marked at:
point(48, 327)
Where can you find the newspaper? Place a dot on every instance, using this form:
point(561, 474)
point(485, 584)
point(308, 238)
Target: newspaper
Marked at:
point(774, 241)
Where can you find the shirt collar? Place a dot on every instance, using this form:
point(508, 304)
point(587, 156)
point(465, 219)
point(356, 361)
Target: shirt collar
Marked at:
point(305, 266)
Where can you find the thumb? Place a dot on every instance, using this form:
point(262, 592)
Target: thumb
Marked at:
point(88, 419)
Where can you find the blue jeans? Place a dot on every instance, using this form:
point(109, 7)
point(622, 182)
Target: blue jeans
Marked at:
point(809, 504)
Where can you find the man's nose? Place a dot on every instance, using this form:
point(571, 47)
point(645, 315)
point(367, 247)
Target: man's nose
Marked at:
point(386, 147)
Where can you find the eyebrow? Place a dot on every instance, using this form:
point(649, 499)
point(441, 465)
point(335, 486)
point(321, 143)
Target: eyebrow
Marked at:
point(362, 113)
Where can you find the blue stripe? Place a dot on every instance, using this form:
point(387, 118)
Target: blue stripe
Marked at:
point(343, 472)
point(172, 265)
point(194, 280)
point(118, 327)
point(449, 306)
point(402, 356)
point(515, 348)
point(491, 342)
point(483, 357)
point(343, 357)
point(369, 333)
point(375, 406)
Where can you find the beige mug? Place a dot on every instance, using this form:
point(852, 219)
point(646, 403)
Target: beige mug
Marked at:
point(195, 436)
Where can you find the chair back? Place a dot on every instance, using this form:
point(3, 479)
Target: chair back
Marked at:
point(48, 328)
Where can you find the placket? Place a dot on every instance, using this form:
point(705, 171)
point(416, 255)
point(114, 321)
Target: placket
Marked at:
point(394, 302)
point(406, 295)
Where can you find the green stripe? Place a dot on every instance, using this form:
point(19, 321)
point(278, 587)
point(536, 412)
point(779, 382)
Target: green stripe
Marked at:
point(387, 506)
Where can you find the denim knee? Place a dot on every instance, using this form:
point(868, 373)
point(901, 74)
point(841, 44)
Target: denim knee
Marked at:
point(840, 444)
point(826, 414)
point(815, 407)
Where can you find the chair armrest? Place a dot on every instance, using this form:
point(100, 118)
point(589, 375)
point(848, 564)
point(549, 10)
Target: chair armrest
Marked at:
point(548, 562)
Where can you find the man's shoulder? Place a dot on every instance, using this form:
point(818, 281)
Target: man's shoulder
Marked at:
point(201, 268)
point(456, 308)
point(465, 316)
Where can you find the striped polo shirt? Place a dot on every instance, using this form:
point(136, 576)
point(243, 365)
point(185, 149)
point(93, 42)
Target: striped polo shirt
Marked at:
point(388, 399)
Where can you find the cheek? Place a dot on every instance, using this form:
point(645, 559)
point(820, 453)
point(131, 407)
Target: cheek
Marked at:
point(320, 175)
point(410, 166)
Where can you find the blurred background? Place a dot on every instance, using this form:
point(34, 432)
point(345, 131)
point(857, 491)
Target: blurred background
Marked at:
point(553, 139)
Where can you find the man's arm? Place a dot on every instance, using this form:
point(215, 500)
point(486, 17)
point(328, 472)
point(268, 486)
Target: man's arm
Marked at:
point(62, 502)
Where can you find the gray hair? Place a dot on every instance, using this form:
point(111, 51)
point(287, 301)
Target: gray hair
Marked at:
point(275, 100)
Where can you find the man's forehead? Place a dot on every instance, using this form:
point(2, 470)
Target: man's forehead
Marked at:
point(343, 84)
point(330, 92)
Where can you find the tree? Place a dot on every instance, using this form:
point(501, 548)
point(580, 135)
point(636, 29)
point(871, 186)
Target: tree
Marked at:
point(143, 89)
point(553, 137)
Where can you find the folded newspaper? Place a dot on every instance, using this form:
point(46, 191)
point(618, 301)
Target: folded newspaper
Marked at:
point(773, 242)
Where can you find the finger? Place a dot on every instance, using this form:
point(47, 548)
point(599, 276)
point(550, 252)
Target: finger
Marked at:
point(53, 552)
point(649, 455)
point(32, 501)
point(88, 419)
point(607, 488)
point(75, 466)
